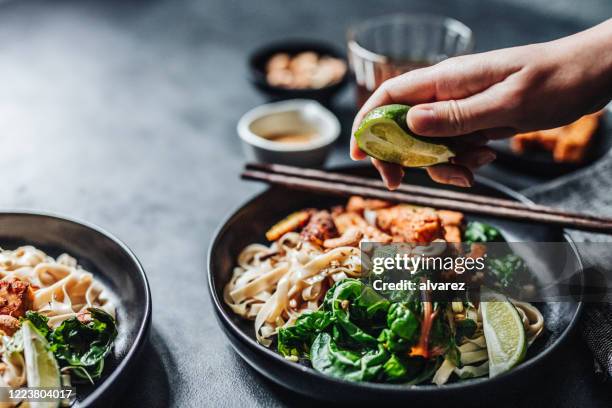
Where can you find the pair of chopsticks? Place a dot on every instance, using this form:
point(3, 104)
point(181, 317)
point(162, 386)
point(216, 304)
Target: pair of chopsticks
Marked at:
point(320, 181)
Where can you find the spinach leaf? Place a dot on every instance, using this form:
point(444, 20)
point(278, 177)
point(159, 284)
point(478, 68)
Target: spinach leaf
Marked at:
point(402, 368)
point(351, 298)
point(83, 346)
point(402, 321)
point(481, 232)
point(40, 322)
point(507, 269)
point(350, 365)
point(296, 340)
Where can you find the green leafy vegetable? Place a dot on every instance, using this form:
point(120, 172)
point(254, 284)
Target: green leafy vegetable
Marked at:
point(359, 335)
point(39, 321)
point(80, 346)
point(481, 232)
point(351, 297)
point(296, 340)
point(402, 321)
point(507, 269)
point(328, 358)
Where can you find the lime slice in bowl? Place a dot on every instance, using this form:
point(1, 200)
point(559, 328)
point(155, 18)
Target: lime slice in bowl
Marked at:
point(42, 369)
point(383, 134)
point(504, 332)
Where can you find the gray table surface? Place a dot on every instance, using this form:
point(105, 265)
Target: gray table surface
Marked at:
point(123, 113)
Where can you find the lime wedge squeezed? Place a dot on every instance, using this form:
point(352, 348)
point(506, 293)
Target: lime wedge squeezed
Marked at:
point(503, 331)
point(41, 366)
point(384, 134)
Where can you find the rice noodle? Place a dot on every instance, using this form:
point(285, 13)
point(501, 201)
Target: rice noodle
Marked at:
point(275, 284)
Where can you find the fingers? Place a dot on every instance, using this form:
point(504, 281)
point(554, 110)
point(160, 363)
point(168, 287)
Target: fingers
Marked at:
point(410, 88)
point(451, 174)
point(355, 152)
point(392, 174)
point(459, 172)
point(458, 117)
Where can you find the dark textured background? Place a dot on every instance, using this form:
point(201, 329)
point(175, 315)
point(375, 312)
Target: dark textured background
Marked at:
point(122, 113)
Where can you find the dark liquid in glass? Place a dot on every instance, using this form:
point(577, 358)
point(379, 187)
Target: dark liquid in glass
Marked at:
point(384, 71)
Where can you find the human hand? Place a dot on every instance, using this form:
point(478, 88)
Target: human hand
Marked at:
point(495, 95)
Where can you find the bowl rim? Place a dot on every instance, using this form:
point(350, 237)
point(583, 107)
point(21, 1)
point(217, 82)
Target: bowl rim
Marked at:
point(143, 330)
point(266, 109)
point(228, 324)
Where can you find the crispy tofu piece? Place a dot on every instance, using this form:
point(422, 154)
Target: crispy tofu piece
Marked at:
point(452, 233)
point(348, 220)
point(567, 143)
point(9, 325)
point(410, 224)
point(451, 222)
point(350, 237)
point(448, 217)
point(358, 204)
point(290, 223)
point(573, 144)
point(320, 228)
point(16, 297)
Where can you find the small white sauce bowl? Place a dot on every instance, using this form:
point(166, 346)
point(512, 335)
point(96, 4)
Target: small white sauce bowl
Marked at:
point(291, 116)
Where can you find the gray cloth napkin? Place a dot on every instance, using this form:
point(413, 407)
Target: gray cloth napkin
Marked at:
point(589, 190)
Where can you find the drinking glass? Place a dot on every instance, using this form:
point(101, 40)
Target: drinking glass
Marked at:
point(383, 47)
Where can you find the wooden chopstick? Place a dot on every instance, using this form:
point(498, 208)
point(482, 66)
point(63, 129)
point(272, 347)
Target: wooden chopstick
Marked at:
point(413, 189)
point(526, 214)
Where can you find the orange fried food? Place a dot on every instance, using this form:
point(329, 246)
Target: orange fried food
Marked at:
point(448, 217)
point(320, 228)
point(350, 237)
point(290, 223)
point(352, 220)
point(452, 222)
point(16, 297)
point(346, 220)
point(568, 143)
point(358, 204)
point(8, 325)
point(411, 224)
point(452, 233)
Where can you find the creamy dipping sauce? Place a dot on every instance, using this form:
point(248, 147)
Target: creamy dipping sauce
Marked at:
point(293, 137)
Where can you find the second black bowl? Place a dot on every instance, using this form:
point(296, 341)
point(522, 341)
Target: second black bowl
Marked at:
point(260, 56)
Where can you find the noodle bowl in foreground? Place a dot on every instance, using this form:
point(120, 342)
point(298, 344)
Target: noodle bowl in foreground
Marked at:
point(306, 294)
point(56, 320)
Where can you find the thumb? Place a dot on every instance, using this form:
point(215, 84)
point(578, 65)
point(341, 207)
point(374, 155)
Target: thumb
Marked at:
point(454, 117)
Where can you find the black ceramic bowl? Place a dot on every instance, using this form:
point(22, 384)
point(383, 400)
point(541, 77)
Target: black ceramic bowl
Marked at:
point(249, 223)
point(257, 70)
point(114, 265)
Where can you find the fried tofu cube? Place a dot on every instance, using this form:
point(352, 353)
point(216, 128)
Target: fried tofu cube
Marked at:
point(16, 297)
point(8, 325)
point(359, 204)
point(320, 228)
point(410, 224)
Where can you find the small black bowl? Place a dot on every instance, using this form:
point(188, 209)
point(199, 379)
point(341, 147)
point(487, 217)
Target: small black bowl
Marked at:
point(260, 56)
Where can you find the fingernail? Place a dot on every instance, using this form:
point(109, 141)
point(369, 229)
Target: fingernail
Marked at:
point(421, 120)
point(459, 181)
